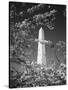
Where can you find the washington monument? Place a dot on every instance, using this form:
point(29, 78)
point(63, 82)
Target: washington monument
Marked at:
point(41, 54)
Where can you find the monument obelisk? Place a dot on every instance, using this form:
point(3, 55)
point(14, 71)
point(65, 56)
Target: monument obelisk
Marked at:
point(41, 56)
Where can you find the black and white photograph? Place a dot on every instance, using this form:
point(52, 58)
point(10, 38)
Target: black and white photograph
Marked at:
point(37, 44)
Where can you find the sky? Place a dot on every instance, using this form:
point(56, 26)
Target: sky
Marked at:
point(59, 32)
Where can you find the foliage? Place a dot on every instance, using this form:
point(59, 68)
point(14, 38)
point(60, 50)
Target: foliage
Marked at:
point(39, 76)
